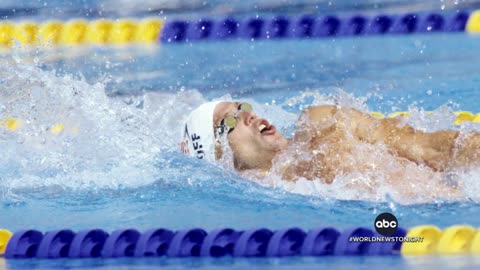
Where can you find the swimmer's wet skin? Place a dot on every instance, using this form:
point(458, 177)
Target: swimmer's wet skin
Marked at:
point(255, 142)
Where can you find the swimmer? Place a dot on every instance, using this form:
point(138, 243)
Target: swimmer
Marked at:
point(331, 134)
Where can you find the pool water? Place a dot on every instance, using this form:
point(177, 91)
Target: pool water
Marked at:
point(117, 165)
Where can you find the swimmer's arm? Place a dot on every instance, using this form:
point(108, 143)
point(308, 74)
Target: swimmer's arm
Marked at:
point(439, 150)
point(432, 149)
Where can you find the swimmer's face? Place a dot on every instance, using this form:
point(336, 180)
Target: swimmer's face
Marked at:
point(254, 141)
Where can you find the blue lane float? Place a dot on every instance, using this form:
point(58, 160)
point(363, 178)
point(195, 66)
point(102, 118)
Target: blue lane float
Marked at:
point(23, 244)
point(252, 243)
point(196, 242)
point(186, 243)
point(153, 243)
point(286, 242)
point(387, 248)
point(310, 26)
point(55, 244)
point(121, 243)
point(320, 242)
point(88, 244)
point(343, 245)
point(219, 243)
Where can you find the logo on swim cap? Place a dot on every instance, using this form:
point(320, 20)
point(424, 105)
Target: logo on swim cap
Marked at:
point(195, 140)
point(198, 134)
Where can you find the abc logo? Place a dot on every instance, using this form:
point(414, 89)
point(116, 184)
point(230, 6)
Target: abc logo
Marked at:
point(386, 224)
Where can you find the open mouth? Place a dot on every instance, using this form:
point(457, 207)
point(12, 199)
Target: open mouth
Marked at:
point(265, 128)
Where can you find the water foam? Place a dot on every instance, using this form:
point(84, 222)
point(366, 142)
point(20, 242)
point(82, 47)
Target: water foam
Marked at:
point(131, 141)
point(379, 182)
point(108, 142)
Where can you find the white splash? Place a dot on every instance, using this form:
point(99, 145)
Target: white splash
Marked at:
point(113, 142)
point(386, 177)
point(106, 142)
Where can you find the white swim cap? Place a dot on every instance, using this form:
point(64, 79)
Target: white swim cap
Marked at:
point(198, 134)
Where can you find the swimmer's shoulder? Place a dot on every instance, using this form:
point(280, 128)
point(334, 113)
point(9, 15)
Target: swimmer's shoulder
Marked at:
point(320, 113)
point(325, 112)
point(334, 115)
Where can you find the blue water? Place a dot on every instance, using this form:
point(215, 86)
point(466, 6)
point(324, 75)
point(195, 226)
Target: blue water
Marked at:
point(117, 165)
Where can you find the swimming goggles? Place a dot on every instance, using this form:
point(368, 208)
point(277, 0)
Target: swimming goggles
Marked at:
point(229, 123)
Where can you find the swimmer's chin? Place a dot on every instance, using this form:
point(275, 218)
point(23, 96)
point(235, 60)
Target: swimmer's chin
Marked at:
point(277, 141)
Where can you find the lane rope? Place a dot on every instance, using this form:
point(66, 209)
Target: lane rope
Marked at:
point(256, 242)
point(80, 32)
point(124, 31)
